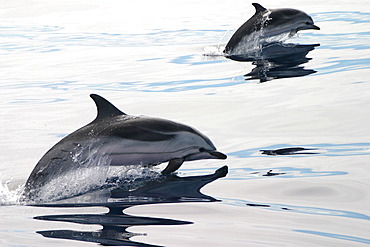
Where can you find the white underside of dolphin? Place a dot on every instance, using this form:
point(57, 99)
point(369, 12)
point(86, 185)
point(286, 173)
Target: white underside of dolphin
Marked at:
point(117, 139)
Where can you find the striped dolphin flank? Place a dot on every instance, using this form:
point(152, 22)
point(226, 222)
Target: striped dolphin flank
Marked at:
point(117, 139)
point(267, 23)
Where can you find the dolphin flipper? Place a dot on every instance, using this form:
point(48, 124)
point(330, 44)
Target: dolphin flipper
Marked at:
point(173, 165)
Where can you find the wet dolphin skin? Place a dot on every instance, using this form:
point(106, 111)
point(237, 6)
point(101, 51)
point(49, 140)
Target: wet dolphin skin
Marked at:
point(117, 139)
point(270, 22)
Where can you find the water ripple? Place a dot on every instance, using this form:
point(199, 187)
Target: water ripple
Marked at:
point(247, 173)
point(297, 209)
point(336, 236)
point(320, 149)
point(355, 41)
point(54, 38)
point(352, 17)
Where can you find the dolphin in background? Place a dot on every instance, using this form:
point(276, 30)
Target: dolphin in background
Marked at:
point(267, 23)
point(115, 139)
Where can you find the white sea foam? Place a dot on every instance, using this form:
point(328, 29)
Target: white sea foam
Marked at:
point(9, 196)
point(94, 178)
point(213, 51)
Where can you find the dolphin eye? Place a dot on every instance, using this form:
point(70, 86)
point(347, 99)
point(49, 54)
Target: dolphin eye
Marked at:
point(202, 150)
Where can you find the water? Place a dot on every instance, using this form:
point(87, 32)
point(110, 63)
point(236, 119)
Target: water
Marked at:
point(149, 60)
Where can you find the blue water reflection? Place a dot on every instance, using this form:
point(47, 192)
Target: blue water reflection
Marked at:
point(336, 236)
point(355, 41)
point(317, 149)
point(44, 38)
point(346, 65)
point(352, 17)
point(185, 85)
point(247, 173)
point(297, 209)
point(194, 60)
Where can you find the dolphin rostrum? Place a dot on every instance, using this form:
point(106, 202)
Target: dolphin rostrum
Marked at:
point(268, 23)
point(117, 139)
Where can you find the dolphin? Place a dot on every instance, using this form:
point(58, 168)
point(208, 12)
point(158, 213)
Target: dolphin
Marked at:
point(270, 22)
point(114, 138)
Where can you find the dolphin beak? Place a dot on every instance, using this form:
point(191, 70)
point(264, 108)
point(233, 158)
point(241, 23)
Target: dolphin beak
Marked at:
point(218, 155)
point(309, 26)
point(208, 154)
point(314, 27)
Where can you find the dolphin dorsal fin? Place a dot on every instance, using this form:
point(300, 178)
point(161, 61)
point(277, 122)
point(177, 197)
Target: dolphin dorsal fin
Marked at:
point(105, 108)
point(259, 7)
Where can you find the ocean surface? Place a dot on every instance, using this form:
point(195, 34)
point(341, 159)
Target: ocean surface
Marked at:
point(296, 134)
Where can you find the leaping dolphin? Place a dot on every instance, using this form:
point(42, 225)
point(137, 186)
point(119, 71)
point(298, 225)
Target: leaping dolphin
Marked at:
point(115, 139)
point(270, 22)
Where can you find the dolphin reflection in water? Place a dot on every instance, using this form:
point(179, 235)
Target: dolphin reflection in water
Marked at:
point(113, 139)
point(166, 189)
point(277, 60)
point(267, 23)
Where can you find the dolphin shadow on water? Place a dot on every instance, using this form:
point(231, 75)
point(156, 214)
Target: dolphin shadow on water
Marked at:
point(259, 40)
point(167, 189)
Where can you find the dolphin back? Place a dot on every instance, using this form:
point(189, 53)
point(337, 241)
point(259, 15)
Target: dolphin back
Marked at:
point(253, 24)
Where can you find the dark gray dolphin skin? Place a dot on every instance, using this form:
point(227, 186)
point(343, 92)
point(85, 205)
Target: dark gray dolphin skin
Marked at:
point(271, 22)
point(116, 139)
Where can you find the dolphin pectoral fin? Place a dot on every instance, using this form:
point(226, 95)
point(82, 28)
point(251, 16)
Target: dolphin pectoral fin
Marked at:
point(293, 32)
point(173, 165)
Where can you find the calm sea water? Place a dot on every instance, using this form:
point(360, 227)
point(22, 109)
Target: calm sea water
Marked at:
point(159, 58)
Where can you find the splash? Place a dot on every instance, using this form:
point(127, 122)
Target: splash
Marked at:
point(251, 45)
point(93, 179)
point(7, 196)
point(211, 51)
